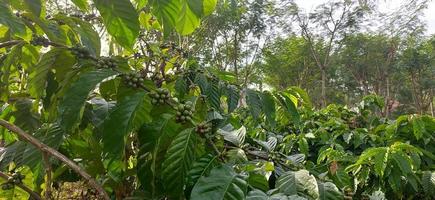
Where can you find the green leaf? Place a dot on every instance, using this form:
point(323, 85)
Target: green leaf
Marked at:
point(403, 162)
point(71, 107)
point(214, 95)
point(11, 21)
point(201, 168)
point(25, 116)
point(154, 139)
point(178, 161)
point(130, 112)
point(237, 137)
point(222, 184)
point(233, 98)
point(187, 21)
point(260, 195)
point(47, 62)
point(82, 4)
point(16, 192)
point(202, 8)
point(254, 103)
point(289, 106)
point(88, 36)
point(269, 108)
point(328, 191)
point(34, 6)
point(418, 127)
point(303, 145)
point(22, 153)
point(428, 183)
point(381, 160)
point(167, 12)
point(121, 20)
point(298, 183)
point(258, 181)
point(5, 68)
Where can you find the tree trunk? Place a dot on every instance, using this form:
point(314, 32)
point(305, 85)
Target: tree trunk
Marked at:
point(323, 89)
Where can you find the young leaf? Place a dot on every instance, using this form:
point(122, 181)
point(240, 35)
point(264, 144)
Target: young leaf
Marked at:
point(70, 108)
point(222, 184)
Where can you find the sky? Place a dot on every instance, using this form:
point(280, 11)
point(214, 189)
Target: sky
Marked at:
point(384, 6)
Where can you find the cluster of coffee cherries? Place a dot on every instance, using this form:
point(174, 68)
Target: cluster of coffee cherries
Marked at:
point(160, 96)
point(134, 80)
point(184, 112)
point(16, 178)
point(107, 63)
point(40, 41)
point(80, 52)
point(203, 128)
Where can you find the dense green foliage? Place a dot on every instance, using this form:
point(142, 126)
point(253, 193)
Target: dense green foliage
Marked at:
point(142, 116)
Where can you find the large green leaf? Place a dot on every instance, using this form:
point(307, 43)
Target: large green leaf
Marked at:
point(260, 195)
point(381, 160)
point(70, 108)
point(82, 4)
point(130, 112)
point(11, 21)
point(22, 153)
point(187, 21)
point(222, 183)
point(6, 66)
point(214, 95)
point(235, 136)
point(254, 102)
point(16, 192)
point(328, 191)
point(269, 108)
point(167, 12)
point(34, 6)
point(201, 168)
point(50, 60)
point(121, 20)
point(289, 106)
point(154, 139)
point(232, 98)
point(88, 36)
point(428, 183)
point(202, 7)
point(298, 183)
point(178, 161)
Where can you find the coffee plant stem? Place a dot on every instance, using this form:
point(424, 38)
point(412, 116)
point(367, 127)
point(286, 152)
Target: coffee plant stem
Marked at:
point(46, 149)
point(10, 43)
point(33, 194)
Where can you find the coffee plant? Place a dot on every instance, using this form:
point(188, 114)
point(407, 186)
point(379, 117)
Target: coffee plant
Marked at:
point(144, 121)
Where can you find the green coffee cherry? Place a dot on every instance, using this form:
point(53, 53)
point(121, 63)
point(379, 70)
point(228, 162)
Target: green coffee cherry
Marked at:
point(184, 112)
point(40, 41)
point(133, 80)
point(160, 96)
point(106, 62)
point(80, 52)
point(203, 128)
